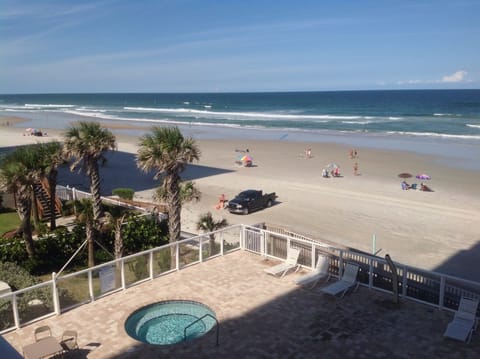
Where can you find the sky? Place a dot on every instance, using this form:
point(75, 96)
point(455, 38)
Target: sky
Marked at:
point(237, 46)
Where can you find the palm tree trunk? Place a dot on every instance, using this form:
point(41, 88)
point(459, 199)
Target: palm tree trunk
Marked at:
point(95, 189)
point(90, 239)
point(24, 210)
point(52, 183)
point(174, 207)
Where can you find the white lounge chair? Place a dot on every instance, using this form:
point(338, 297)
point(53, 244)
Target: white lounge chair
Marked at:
point(290, 263)
point(320, 272)
point(464, 322)
point(348, 280)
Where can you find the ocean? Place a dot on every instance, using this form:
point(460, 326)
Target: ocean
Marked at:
point(426, 121)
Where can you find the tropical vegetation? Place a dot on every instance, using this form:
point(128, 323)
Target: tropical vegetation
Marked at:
point(167, 152)
point(207, 223)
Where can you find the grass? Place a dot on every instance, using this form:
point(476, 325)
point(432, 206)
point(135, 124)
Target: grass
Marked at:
point(8, 222)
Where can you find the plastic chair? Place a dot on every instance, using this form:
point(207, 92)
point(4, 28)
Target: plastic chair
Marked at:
point(69, 340)
point(42, 332)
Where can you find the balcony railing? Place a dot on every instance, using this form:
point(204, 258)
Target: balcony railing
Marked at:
point(65, 292)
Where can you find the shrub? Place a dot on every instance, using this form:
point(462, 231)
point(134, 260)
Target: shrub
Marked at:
point(125, 193)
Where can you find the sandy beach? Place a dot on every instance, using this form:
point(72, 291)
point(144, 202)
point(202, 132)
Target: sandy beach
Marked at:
point(432, 230)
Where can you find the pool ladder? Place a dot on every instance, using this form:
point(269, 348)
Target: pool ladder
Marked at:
point(199, 319)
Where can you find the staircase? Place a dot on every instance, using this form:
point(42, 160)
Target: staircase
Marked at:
point(43, 198)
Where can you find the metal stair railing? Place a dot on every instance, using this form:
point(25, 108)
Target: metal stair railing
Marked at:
point(199, 319)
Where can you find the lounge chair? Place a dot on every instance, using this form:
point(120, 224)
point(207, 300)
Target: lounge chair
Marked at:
point(464, 322)
point(320, 272)
point(42, 332)
point(348, 280)
point(290, 263)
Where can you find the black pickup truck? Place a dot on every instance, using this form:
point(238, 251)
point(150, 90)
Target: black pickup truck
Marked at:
point(251, 200)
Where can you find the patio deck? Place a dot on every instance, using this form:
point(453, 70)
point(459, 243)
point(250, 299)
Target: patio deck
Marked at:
point(261, 317)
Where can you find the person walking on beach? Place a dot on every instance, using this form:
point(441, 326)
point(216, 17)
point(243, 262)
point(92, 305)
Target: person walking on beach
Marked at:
point(355, 169)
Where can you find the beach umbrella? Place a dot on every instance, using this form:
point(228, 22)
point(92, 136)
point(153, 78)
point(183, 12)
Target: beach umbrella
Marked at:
point(246, 158)
point(423, 176)
point(405, 175)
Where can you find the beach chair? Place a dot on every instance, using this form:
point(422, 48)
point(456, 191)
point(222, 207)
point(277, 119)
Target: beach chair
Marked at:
point(320, 272)
point(464, 322)
point(42, 332)
point(290, 263)
point(348, 280)
point(413, 186)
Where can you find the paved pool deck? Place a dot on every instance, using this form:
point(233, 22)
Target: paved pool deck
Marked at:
point(261, 316)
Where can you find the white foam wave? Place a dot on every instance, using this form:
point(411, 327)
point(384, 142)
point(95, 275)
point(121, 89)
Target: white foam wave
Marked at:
point(94, 114)
point(394, 118)
point(242, 114)
point(474, 126)
point(357, 122)
point(432, 134)
point(30, 105)
point(447, 114)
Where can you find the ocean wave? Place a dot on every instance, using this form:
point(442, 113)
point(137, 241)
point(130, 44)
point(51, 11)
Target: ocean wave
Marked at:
point(357, 122)
point(470, 125)
point(433, 134)
point(39, 106)
point(447, 114)
point(275, 116)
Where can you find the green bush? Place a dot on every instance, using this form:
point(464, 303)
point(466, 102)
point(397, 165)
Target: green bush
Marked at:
point(125, 193)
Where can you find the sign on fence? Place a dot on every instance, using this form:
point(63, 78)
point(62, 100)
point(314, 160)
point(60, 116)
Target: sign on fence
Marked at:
point(107, 278)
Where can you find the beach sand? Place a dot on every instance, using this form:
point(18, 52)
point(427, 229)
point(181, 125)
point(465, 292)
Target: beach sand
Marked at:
point(431, 230)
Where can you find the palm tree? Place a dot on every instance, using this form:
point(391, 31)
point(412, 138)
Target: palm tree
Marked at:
point(84, 214)
point(86, 144)
point(18, 173)
point(52, 157)
point(206, 223)
point(167, 152)
point(188, 192)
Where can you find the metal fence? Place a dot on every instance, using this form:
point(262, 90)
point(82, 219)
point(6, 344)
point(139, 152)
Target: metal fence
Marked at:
point(68, 291)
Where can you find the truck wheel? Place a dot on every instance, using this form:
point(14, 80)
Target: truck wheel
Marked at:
point(269, 203)
point(245, 210)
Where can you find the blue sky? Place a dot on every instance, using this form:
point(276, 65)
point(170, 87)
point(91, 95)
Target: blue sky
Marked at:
point(230, 46)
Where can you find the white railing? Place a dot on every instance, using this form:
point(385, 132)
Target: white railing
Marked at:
point(71, 193)
point(436, 289)
point(53, 297)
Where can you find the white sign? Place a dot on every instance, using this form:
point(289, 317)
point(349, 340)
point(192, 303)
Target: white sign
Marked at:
point(107, 278)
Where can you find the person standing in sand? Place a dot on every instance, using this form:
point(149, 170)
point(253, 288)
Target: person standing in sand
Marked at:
point(355, 169)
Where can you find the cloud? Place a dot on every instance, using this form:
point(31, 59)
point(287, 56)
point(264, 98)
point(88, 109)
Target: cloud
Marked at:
point(458, 76)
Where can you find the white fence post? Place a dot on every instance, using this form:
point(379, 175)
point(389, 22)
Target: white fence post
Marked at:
point(313, 256)
point(221, 243)
point(151, 264)
point(262, 243)
point(200, 251)
point(177, 256)
point(56, 300)
point(16, 316)
point(90, 286)
point(122, 273)
point(242, 237)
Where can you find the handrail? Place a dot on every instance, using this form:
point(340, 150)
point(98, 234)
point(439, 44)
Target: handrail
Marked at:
point(199, 319)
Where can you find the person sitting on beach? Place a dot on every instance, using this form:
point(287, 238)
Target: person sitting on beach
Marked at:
point(405, 185)
point(221, 202)
point(337, 172)
point(324, 173)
